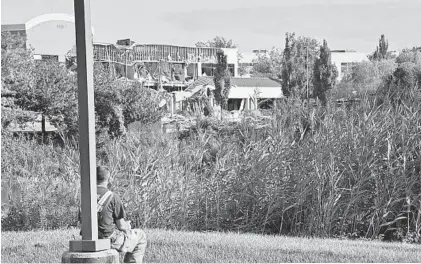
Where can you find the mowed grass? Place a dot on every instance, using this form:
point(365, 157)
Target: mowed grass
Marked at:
point(178, 246)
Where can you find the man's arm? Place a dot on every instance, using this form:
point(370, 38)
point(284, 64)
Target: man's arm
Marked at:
point(119, 215)
point(122, 224)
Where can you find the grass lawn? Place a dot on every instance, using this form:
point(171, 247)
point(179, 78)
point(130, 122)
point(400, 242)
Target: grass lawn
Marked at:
point(177, 246)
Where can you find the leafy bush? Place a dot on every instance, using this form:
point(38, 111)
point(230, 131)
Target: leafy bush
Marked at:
point(404, 85)
point(365, 77)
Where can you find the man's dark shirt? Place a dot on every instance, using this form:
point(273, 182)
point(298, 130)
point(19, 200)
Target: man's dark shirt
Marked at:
point(113, 211)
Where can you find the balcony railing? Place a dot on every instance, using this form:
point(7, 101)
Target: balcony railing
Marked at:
point(152, 53)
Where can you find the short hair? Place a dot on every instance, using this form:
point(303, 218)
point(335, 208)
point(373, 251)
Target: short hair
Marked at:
point(102, 174)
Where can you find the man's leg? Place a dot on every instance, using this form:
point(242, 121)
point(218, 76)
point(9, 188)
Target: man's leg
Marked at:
point(136, 256)
point(117, 240)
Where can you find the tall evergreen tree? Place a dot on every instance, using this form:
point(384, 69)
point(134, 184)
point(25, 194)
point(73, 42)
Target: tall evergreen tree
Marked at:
point(324, 73)
point(222, 80)
point(381, 52)
point(286, 65)
point(297, 61)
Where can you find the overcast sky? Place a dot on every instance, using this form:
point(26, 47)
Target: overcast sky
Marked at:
point(258, 24)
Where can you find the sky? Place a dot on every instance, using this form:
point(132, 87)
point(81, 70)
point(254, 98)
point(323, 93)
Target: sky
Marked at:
point(262, 24)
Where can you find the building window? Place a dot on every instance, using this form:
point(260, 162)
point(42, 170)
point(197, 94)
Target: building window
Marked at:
point(234, 104)
point(346, 68)
point(49, 57)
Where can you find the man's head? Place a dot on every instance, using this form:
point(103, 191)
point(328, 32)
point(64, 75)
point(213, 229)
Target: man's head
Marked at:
point(102, 175)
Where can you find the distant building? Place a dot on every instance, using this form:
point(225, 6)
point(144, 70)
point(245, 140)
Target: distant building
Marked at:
point(50, 35)
point(344, 60)
point(249, 59)
point(245, 93)
point(168, 66)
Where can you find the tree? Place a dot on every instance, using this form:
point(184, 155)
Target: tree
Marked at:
point(17, 62)
point(217, 42)
point(298, 58)
point(262, 66)
point(364, 77)
point(381, 51)
point(49, 88)
point(221, 42)
point(409, 55)
point(325, 73)
point(268, 65)
point(222, 80)
point(17, 65)
point(404, 84)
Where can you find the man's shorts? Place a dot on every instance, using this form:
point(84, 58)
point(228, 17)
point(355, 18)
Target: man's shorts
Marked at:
point(126, 241)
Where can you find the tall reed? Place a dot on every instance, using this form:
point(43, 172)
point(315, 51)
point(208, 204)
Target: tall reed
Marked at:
point(350, 170)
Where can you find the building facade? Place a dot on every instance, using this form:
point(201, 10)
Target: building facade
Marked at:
point(245, 93)
point(169, 67)
point(51, 36)
point(344, 60)
point(249, 59)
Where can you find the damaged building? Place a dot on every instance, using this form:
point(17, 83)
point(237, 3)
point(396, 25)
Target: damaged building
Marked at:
point(168, 67)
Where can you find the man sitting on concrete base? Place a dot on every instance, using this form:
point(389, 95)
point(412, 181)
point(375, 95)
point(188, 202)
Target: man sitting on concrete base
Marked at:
point(112, 223)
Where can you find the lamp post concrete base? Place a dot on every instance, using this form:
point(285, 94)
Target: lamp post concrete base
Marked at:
point(104, 256)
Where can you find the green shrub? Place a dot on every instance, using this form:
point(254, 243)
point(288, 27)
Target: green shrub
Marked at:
point(365, 77)
point(403, 86)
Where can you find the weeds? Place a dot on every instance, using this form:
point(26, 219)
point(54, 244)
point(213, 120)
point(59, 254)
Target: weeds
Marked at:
point(335, 171)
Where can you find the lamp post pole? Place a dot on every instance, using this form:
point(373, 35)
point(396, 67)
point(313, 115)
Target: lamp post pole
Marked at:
point(90, 248)
point(86, 119)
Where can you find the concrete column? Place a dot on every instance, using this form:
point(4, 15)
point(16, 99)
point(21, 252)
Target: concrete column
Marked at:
point(199, 69)
point(247, 107)
point(174, 104)
point(170, 105)
point(185, 71)
point(235, 70)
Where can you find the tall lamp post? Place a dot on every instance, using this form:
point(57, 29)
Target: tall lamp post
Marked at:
point(90, 248)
